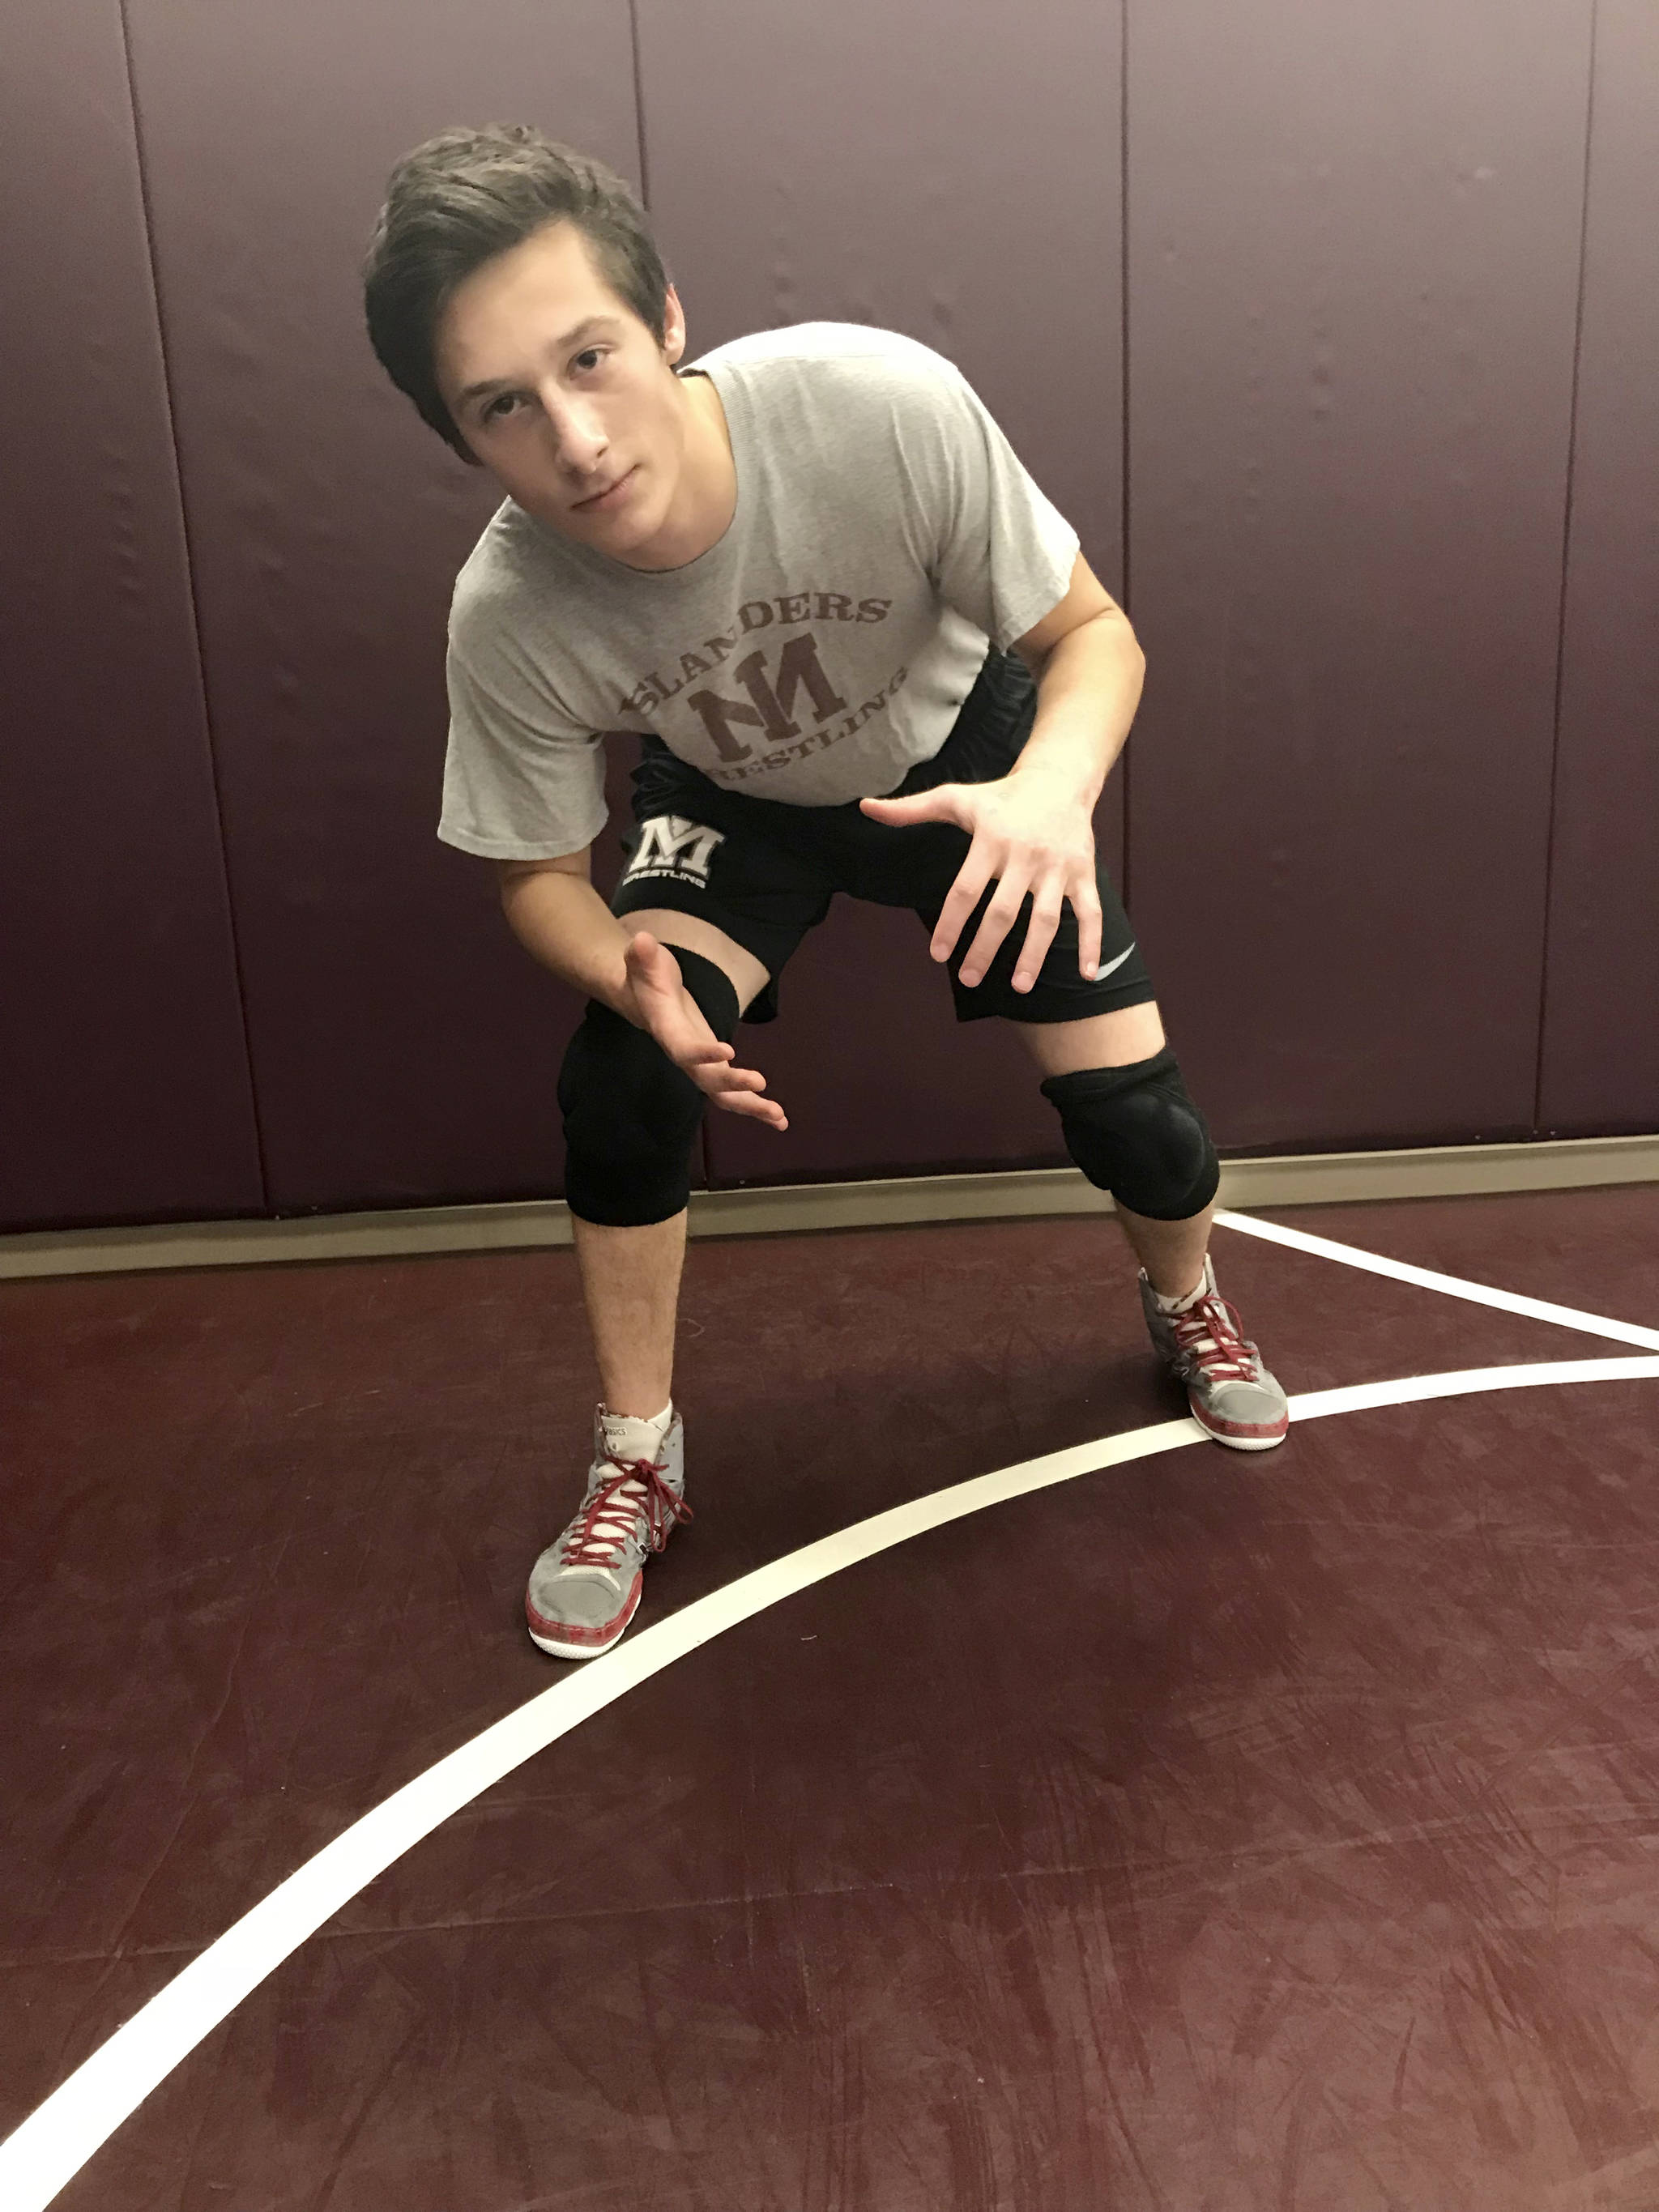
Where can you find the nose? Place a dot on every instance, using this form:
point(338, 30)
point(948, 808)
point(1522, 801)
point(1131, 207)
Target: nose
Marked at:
point(578, 436)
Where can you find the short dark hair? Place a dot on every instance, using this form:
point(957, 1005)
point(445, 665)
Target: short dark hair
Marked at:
point(465, 196)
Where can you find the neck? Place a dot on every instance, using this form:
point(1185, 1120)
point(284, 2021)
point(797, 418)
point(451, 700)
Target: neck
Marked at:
point(710, 476)
point(708, 418)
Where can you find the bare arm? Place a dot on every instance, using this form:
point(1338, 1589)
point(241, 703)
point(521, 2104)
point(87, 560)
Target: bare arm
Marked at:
point(553, 909)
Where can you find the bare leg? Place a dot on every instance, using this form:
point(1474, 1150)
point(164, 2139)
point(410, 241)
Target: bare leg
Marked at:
point(1171, 1252)
point(631, 1287)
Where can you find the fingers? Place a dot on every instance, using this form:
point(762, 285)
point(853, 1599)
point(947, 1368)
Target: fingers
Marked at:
point(1048, 893)
point(764, 1110)
point(712, 1067)
point(738, 1089)
point(1046, 908)
point(720, 1081)
point(960, 901)
point(1085, 905)
point(997, 920)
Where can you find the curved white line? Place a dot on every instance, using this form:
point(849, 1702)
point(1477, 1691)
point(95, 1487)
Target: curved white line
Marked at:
point(1480, 1294)
point(58, 2138)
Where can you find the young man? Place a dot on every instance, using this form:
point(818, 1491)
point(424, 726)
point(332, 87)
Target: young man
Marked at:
point(864, 653)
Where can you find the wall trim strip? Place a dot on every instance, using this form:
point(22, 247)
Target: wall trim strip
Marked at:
point(1295, 1179)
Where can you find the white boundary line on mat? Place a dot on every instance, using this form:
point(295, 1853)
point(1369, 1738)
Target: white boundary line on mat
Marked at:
point(1374, 1263)
point(49, 2148)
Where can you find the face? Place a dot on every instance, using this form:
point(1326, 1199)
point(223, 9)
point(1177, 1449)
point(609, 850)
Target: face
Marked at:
point(565, 396)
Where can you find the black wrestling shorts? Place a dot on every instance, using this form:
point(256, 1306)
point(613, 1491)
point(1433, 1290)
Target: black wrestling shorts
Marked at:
point(765, 873)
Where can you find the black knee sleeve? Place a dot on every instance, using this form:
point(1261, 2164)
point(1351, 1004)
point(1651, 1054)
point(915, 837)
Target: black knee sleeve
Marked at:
point(1134, 1131)
point(630, 1116)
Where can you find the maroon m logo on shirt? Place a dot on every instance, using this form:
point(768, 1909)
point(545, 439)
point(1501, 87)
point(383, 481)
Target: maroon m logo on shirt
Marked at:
point(768, 709)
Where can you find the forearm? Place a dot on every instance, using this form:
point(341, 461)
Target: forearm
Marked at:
point(561, 921)
point(1087, 694)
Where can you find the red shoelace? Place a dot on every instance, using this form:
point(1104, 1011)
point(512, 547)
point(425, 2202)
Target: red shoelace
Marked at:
point(608, 1519)
point(1212, 1336)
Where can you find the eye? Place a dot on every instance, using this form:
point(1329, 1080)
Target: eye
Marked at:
point(492, 413)
point(593, 353)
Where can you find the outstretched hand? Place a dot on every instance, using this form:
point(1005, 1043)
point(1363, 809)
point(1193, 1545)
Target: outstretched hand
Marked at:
point(1029, 833)
point(673, 1016)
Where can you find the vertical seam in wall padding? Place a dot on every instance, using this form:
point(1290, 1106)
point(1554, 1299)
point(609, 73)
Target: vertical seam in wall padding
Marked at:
point(190, 582)
point(1124, 765)
point(639, 103)
point(699, 1180)
point(1561, 619)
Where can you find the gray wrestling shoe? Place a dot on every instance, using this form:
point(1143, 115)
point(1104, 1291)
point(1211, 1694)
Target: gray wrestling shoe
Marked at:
point(585, 1587)
point(1230, 1392)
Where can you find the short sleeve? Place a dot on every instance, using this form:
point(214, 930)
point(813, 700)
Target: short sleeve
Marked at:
point(522, 781)
point(1004, 553)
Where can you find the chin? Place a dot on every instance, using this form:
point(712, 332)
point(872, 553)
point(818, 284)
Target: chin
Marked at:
point(628, 532)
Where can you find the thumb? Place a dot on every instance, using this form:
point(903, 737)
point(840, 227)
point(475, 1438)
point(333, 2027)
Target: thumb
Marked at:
point(647, 957)
point(922, 806)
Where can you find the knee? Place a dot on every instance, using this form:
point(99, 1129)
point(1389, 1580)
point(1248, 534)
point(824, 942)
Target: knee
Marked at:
point(631, 1117)
point(1134, 1131)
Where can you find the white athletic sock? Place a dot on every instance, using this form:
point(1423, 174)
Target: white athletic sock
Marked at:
point(629, 1437)
point(1206, 1284)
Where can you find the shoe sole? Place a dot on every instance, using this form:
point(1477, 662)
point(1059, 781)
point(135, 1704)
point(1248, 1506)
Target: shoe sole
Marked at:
point(1241, 1443)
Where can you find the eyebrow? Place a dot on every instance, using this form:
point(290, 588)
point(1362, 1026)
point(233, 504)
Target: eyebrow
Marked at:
point(506, 383)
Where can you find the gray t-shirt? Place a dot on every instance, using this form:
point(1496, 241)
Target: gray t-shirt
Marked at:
point(885, 529)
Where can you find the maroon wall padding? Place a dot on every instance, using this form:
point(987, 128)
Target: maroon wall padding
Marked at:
point(403, 1047)
point(1353, 271)
point(1600, 1066)
point(860, 165)
point(1351, 297)
point(125, 1092)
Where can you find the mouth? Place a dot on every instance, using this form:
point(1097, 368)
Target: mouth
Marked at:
point(610, 496)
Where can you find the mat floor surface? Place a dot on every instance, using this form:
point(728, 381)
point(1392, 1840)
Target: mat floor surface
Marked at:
point(1212, 1832)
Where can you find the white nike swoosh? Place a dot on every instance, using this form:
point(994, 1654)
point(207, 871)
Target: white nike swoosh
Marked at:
point(1102, 973)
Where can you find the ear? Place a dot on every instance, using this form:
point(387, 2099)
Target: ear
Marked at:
point(673, 331)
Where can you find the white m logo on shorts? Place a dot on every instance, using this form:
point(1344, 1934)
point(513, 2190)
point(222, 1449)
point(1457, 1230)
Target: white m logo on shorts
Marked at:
point(671, 846)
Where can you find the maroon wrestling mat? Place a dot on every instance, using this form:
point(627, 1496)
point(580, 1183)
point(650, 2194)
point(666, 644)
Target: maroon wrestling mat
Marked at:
point(1211, 1830)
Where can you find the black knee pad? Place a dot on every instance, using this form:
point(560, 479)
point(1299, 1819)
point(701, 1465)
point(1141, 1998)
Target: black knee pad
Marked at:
point(630, 1116)
point(1134, 1131)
